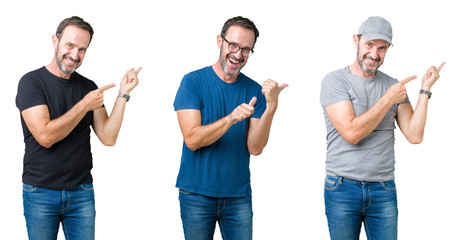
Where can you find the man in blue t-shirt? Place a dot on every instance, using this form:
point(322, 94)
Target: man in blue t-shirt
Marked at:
point(224, 117)
point(57, 107)
point(361, 105)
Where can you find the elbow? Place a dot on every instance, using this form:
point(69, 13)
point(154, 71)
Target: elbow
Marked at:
point(351, 138)
point(415, 140)
point(256, 152)
point(45, 141)
point(109, 142)
point(193, 146)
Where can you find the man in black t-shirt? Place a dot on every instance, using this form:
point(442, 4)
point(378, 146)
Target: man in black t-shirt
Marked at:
point(57, 107)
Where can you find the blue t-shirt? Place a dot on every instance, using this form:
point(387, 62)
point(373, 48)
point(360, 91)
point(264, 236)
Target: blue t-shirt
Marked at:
point(223, 168)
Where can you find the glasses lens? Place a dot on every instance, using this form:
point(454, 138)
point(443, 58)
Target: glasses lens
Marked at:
point(246, 52)
point(233, 47)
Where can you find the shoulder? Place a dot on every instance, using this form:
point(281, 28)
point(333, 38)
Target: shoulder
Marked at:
point(32, 77)
point(337, 74)
point(335, 77)
point(199, 73)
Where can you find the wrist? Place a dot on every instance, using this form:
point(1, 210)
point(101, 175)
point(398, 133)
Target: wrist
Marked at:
point(423, 91)
point(426, 87)
point(271, 107)
point(124, 91)
point(124, 95)
point(231, 120)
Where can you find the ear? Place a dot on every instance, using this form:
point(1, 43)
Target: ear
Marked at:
point(55, 41)
point(356, 40)
point(219, 40)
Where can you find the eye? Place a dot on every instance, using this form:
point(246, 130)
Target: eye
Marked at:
point(247, 49)
point(82, 50)
point(383, 48)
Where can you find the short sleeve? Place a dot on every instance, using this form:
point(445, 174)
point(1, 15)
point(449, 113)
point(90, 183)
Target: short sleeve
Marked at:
point(260, 105)
point(333, 90)
point(30, 93)
point(188, 96)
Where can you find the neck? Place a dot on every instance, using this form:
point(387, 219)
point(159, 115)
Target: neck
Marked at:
point(54, 69)
point(221, 74)
point(357, 70)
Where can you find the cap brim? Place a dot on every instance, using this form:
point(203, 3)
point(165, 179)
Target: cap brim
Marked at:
point(375, 36)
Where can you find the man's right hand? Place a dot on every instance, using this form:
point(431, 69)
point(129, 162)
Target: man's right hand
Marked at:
point(95, 99)
point(243, 111)
point(397, 92)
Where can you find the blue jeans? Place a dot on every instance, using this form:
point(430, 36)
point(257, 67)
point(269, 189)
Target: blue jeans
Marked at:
point(200, 213)
point(45, 209)
point(348, 203)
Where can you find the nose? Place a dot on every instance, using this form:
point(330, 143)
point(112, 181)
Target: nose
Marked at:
point(374, 52)
point(238, 54)
point(74, 53)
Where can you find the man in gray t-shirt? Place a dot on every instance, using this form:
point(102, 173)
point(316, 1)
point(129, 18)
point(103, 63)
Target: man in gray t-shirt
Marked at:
point(361, 105)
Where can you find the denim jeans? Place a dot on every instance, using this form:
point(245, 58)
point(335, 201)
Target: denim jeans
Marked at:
point(348, 203)
point(200, 213)
point(45, 209)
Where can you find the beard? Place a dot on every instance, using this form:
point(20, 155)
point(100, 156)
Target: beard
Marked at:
point(224, 65)
point(364, 67)
point(62, 66)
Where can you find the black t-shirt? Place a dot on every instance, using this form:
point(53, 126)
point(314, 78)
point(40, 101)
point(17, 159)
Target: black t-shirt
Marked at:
point(68, 162)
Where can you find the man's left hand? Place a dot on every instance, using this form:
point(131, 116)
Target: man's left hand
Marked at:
point(271, 91)
point(129, 81)
point(431, 77)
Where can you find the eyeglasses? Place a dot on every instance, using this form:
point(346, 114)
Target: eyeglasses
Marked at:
point(234, 47)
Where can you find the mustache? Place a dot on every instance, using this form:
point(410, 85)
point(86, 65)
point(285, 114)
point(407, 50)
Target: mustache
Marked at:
point(378, 59)
point(241, 60)
point(70, 58)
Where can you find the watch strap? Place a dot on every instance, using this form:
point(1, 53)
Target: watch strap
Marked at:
point(123, 95)
point(422, 91)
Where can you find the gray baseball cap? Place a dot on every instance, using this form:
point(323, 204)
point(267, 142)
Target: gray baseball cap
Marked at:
point(376, 28)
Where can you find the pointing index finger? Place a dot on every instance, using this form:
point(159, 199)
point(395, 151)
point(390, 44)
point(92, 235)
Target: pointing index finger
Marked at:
point(138, 70)
point(104, 88)
point(440, 67)
point(406, 80)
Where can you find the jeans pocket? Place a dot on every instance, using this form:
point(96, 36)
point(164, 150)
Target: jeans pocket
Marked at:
point(332, 183)
point(28, 188)
point(389, 185)
point(87, 187)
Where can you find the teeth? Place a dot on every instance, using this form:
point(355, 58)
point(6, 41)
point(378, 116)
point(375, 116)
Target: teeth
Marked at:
point(233, 61)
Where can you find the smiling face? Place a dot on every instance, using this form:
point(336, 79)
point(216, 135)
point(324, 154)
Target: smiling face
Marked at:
point(70, 49)
point(370, 54)
point(232, 63)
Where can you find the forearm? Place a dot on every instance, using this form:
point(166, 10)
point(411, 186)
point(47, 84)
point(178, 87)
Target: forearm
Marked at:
point(58, 129)
point(417, 122)
point(258, 135)
point(363, 125)
point(112, 125)
point(202, 136)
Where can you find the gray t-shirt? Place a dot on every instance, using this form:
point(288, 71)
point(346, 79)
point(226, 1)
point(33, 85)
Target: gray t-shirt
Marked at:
point(372, 159)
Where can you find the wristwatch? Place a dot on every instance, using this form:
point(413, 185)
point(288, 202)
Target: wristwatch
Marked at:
point(422, 91)
point(123, 95)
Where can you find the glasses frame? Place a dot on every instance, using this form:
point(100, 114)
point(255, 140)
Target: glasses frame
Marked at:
point(229, 44)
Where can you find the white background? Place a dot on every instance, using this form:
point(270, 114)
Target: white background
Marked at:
point(300, 43)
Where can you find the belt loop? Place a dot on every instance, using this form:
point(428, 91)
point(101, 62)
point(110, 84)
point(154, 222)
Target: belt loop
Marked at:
point(340, 180)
